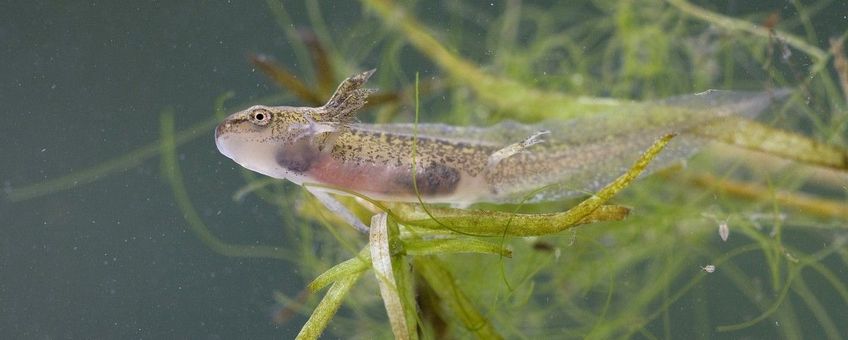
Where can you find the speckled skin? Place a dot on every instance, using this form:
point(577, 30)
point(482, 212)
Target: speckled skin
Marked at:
point(452, 164)
point(376, 161)
point(355, 156)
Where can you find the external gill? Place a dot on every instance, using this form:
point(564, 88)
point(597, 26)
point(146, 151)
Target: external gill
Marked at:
point(334, 116)
point(348, 99)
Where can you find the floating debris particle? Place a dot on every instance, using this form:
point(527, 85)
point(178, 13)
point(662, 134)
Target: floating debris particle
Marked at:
point(708, 268)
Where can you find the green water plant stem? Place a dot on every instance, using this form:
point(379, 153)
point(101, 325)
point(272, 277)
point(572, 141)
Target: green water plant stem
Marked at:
point(392, 275)
point(758, 137)
point(328, 306)
point(498, 223)
point(803, 202)
point(347, 268)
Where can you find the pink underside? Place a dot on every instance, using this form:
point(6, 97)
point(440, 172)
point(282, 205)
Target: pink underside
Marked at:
point(365, 179)
point(386, 183)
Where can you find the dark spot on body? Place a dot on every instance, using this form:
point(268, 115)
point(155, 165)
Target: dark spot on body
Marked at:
point(297, 158)
point(436, 179)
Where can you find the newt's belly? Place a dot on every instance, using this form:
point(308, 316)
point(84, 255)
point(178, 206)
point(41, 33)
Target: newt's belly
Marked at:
point(435, 183)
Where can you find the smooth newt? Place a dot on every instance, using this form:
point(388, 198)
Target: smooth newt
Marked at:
point(464, 165)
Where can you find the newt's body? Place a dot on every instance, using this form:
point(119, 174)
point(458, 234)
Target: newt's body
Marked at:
point(463, 165)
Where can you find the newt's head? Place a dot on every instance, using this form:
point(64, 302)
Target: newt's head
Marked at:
point(279, 141)
point(256, 137)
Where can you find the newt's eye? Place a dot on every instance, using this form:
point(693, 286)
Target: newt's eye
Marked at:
point(260, 117)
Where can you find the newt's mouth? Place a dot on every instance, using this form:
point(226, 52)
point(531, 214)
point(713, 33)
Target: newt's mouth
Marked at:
point(230, 128)
point(220, 142)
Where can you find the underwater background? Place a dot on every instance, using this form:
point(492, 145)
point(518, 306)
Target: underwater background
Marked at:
point(99, 239)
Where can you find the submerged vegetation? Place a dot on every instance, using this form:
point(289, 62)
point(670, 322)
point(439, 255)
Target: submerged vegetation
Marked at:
point(776, 189)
